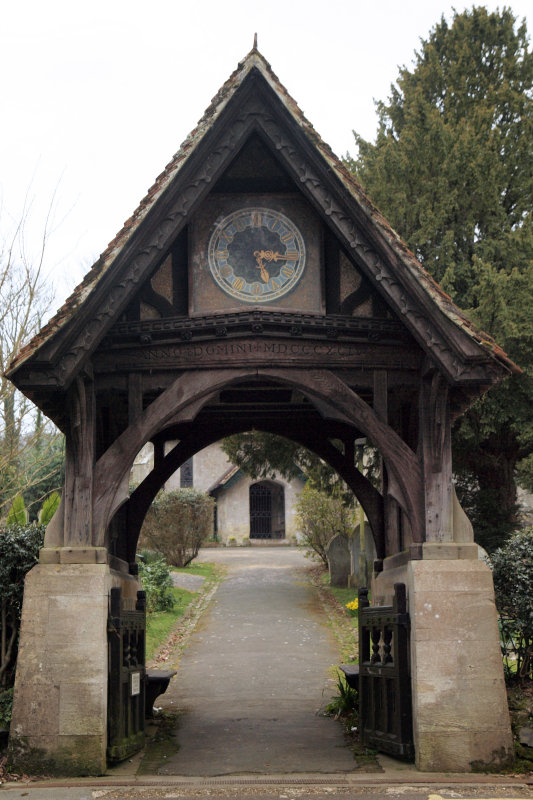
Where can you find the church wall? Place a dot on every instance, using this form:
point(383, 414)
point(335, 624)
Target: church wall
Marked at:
point(234, 510)
point(208, 465)
point(233, 503)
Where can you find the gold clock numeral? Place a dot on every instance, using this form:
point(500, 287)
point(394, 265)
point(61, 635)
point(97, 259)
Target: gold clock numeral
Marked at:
point(287, 237)
point(225, 271)
point(288, 272)
point(256, 288)
point(238, 283)
point(239, 224)
point(275, 284)
point(257, 219)
point(291, 255)
point(222, 254)
point(227, 236)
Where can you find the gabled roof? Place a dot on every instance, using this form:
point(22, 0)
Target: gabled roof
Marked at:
point(69, 338)
point(234, 474)
point(230, 477)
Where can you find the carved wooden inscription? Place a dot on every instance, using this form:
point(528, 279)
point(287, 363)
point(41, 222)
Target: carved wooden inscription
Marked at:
point(243, 352)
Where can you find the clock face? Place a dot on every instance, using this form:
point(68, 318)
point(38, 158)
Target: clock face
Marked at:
point(256, 255)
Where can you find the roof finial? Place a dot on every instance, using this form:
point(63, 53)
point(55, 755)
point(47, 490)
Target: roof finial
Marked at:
point(255, 41)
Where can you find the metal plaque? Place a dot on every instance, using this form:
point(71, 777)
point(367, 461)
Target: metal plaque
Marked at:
point(135, 683)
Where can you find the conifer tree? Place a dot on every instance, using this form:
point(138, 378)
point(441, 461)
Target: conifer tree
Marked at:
point(452, 169)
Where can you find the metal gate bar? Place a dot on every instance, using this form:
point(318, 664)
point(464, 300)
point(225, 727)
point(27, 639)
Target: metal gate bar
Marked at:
point(384, 675)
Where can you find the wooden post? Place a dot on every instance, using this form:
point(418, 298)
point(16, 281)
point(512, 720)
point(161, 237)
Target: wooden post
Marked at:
point(390, 506)
point(435, 432)
point(79, 464)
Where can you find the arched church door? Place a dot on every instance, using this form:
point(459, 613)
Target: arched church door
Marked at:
point(267, 511)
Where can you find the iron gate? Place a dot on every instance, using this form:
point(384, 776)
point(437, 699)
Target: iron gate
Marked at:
point(260, 512)
point(126, 631)
point(384, 675)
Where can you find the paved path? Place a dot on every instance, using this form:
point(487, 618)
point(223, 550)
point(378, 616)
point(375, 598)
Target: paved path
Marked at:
point(193, 583)
point(255, 675)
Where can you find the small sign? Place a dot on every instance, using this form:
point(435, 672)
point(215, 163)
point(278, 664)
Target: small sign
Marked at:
point(135, 683)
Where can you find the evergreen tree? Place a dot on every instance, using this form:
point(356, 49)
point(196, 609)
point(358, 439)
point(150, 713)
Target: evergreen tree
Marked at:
point(452, 169)
point(261, 455)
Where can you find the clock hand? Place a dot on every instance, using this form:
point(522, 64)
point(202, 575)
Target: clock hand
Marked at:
point(269, 255)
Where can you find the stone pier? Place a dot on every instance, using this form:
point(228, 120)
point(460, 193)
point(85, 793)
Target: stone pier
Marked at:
point(59, 722)
point(460, 714)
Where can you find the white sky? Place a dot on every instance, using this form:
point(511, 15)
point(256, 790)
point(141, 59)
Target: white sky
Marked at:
point(97, 97)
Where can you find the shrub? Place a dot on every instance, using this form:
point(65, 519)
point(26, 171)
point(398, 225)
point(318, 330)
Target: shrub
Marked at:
point(321, 517)
point(17, 514)
point(49, 508)
point(157, 583)
point(177, 524)
point(512, 566)
point(6, 705)
point(19, 552)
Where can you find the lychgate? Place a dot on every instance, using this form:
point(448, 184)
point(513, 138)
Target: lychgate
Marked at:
point(257, 287)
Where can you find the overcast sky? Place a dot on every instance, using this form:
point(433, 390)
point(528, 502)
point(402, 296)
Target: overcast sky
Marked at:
point(97, 97)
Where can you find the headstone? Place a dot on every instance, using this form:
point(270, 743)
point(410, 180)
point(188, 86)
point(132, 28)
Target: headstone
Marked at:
point(338, 554)
point(525, 736)
point(369, 553)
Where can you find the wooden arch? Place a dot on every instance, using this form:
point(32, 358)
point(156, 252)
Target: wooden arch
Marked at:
point(185, 396)
point(164, 467)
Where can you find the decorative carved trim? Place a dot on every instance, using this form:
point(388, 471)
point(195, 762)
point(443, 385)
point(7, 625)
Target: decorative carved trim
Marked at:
point(259, 321)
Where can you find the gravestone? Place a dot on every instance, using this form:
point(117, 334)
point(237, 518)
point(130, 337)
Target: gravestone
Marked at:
point(370, 556)
point(338, 553)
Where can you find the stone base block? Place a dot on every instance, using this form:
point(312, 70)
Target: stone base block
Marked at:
point(59, 722)
point(460, 713)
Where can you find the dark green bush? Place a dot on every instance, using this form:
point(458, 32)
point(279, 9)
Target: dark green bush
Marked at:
point(19, 552)
point(157, 583)
point(512, 566)
point(6, 705)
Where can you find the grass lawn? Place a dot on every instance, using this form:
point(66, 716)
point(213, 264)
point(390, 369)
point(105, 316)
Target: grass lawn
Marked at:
point(343, 596)
point(159, 624)
point(209, 571)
